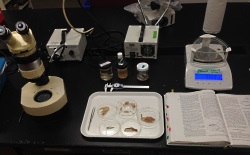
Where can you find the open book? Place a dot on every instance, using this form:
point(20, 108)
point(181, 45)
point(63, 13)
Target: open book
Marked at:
point(204, 118)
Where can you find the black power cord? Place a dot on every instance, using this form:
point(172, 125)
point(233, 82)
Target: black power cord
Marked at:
point(92, 18)
point(109, 43)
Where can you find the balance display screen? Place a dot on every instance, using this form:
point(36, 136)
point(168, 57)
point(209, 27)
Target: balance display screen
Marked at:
point(216, 77)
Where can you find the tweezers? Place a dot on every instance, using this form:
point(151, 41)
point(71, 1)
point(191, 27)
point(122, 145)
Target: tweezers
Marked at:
point(91, 117)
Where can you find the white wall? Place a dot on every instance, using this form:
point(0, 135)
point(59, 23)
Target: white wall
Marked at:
point(203, 1)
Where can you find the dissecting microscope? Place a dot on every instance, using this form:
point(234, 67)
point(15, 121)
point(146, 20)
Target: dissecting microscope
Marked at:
point(42, 95)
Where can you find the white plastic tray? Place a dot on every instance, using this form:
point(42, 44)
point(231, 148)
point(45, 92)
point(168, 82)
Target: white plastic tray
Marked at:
point(144, 100)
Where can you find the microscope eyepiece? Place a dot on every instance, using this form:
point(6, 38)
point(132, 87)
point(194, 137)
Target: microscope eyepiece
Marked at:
point(4, 33)
point(22, 28)
point(1, 30)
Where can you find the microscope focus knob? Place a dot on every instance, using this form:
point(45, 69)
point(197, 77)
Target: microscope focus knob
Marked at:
point(71, 52)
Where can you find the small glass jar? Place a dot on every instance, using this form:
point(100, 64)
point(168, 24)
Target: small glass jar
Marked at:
point(122, 70)
point(142, 71)
point(106, 72)
point(122, 67)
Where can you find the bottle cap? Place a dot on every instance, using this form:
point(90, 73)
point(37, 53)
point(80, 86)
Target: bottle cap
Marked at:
point(104, 64)
point(143, 66)
point(122, 65)
point(119, 55)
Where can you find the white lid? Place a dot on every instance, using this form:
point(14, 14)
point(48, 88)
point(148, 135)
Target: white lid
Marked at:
point(119, 55)
point(143, 66)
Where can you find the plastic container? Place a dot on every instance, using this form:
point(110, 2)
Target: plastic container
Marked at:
point(109, 127)
point(127, 107)
point(142, 71)
point(130, 128)
point(148, 117)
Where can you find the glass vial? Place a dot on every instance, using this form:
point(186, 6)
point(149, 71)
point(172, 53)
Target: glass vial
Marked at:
point(142, 71)
point(122, 67)
point(106, 72)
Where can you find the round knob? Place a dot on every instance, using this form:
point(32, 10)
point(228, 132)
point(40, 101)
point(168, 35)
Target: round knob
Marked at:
point(71, 53)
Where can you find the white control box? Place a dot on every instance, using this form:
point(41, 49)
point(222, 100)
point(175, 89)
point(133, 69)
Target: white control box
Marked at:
point(141, 42)
point(75, 44)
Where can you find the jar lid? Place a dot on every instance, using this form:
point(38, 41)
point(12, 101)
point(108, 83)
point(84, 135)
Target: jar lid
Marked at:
point(122, 65)
point(143, 66)
point(105, 64)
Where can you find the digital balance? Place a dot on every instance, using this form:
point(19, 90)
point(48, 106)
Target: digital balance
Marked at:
point(206, 64)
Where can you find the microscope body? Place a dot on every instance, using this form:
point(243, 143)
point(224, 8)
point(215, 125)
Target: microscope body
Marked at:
point(22, 44)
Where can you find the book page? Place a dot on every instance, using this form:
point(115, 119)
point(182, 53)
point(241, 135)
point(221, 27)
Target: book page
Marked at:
point(236, 112)
point(195, 118)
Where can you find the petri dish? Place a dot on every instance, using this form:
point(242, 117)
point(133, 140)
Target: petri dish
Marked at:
point(106, 111)
point(127, 107)
point(130, 128)
point(109, 127)
point(148, 117)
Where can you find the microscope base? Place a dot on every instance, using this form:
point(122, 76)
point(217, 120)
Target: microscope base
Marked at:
point(44, 100)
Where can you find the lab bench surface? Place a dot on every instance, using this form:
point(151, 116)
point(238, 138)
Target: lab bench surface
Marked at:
point(62, 129)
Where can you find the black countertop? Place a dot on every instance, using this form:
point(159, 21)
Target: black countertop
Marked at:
point(62, 129)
